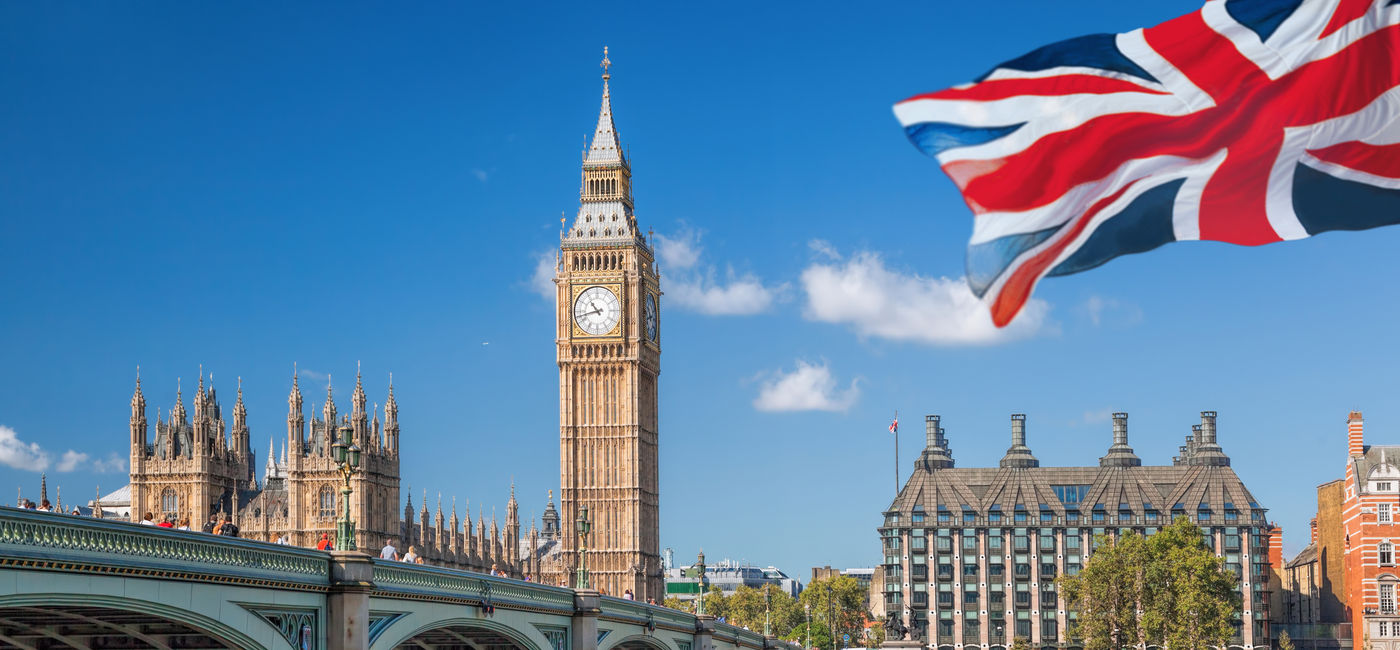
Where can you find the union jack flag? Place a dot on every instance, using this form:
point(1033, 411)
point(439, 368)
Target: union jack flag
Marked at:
point(1249, 122)
point(894, 426)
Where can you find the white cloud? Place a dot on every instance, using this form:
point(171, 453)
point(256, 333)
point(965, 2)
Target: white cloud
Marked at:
point(542, 280)
point(314, 375)
point(480, 174)
point(679, 252)
point(1095, 417)
point(114, 464)
point(1109, 310)
point(691, 285)
point(807, 388)
point(743, 295)
point(20, 454)
point(876, 301)
point(30, 456)
point(824, 248)
point(70, 461)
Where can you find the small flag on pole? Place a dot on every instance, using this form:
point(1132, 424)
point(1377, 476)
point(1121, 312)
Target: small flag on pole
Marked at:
point(894, 426)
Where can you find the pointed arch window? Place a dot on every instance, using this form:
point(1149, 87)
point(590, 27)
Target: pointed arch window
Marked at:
point(327, 503)
point(169, 501)
point(1386, 551)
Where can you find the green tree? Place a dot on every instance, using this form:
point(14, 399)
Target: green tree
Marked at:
point(820, 638)
point(676, 603)
point(1168, 589)
point(875, 636)
point(1107, 592)
point(716, 604)
point(1020, 643)
point(838, 603)
point(1285, 642)
point(749, 608)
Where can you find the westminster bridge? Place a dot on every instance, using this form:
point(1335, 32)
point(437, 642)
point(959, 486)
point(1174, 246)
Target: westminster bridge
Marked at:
point(78, 582)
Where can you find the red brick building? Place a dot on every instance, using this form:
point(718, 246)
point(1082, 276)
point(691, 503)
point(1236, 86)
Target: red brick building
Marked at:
point(1369, 509)
point(1362, 533)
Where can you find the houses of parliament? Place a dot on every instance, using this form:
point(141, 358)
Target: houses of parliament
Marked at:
point(195, 463)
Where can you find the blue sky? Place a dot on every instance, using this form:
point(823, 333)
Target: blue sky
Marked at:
point(249, 186)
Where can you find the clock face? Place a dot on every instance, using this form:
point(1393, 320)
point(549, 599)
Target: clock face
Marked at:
point(650, 316)
point(597, 310)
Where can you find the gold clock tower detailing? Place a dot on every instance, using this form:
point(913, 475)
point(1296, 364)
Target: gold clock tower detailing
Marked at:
point(609, 352)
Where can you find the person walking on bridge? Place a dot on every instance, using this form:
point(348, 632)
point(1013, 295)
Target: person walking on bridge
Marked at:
point(389, 552)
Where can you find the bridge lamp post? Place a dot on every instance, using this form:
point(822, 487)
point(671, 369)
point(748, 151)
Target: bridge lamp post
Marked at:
point(700, 600)
point(767, 616)
point(347, 459)
point(807, 607)
point(583, 526)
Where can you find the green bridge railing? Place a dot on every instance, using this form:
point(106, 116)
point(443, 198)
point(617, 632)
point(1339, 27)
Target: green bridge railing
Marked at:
point(392, 577)
point(74, 544)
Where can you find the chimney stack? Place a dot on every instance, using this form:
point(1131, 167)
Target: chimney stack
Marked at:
point(1019, 455)
point(1205, 450)
point(1355, 442)
point(936, 453)
point(1120, 454)
point(1207, 428)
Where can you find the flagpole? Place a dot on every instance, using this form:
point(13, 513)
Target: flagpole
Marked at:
point(896, 454)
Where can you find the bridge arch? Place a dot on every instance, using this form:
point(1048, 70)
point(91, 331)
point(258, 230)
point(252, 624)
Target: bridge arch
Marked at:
point(119, 617)
point(465, 633)
point(638, 642)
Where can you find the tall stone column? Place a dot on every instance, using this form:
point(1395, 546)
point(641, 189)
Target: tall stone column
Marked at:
point(704, 632)
point(347, 603)
point(585, 621)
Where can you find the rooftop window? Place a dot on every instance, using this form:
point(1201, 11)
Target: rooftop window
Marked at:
point(1070, 493)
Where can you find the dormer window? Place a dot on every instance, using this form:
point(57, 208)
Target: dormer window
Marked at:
point(1383, 486)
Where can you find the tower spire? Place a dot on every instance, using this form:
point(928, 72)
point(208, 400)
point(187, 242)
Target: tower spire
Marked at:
point(605, 211)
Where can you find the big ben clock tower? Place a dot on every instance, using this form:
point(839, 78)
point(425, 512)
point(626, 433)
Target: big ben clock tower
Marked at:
point(609, 354)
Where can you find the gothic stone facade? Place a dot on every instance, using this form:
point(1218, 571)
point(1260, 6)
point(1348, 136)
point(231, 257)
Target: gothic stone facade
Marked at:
point(609, 355)
point(195, 467)
point(971, 555)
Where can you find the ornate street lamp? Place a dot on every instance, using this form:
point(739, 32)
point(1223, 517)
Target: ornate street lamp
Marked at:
point(583, 526)
point(767, 617)
point(347, 459)
point(807, 607)
point(700, 600)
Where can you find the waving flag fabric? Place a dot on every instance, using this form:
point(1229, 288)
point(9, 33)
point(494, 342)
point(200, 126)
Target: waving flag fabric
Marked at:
point(1249, 122)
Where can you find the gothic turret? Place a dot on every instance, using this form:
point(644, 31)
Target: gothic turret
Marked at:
point(376, 441)
point(550, 519)
point(359, 415)
point(512, 532)
point(242, 439)
point(138, 417)
point(296, 421)
point(1018, 455)
point(391, 421)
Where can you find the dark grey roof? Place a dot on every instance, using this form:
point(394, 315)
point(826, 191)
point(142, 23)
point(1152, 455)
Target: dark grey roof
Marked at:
point(1372, 459)
point(1204, 479)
